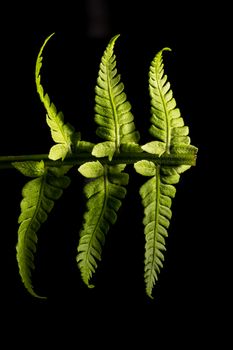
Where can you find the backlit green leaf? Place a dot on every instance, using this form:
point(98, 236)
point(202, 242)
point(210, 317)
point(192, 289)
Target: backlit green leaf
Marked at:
point(91, 169)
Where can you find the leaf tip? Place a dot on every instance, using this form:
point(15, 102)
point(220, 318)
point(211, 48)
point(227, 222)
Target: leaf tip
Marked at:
point(150, 296)
point(149, 293)
point(32, 292)
point(116, 36)
point(40, 296)
point(49, 37)
point(45, 42)
point(113, 40)
point(166, 49)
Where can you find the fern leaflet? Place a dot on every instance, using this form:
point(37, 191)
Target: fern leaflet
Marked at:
point(105, 191)
point(171, 137)
point(38, 200)
point(156, 195)
point(112, 110)
point(61, 133)
point(167, 124)
point(104, 194)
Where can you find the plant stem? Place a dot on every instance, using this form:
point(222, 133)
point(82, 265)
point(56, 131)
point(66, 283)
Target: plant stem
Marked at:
point(121, 158)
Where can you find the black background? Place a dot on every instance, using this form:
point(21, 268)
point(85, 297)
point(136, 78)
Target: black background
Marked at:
point(186, 301)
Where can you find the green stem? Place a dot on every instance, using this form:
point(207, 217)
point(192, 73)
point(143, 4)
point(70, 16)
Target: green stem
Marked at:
point(120, 158)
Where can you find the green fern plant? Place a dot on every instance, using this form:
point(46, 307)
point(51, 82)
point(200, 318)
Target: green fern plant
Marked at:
point(162, 160)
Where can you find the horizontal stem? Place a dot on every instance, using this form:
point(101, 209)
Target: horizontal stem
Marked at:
point(121, 158)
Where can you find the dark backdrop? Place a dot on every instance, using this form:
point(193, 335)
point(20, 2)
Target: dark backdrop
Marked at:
point(185, 295)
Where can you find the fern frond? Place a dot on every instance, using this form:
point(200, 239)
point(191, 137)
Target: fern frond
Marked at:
point(38, 200)
point(167, 124)
point(104, 193)
point(172, 138)
point(112, 110)
point(61, 133)
point(157, 194)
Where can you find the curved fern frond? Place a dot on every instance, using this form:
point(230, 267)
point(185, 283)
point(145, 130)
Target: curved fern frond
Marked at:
point(167, 124)
point(104, 193)
point(112, 110)
point(61, 133)
point(38, 200)
point(157, 194)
